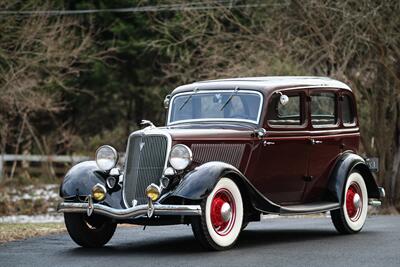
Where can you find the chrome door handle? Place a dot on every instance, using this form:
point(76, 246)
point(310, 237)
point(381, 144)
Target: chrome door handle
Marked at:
point(315, 142)
point(268, 143)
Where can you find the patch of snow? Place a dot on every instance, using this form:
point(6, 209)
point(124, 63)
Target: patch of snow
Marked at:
point(46, 218)
point(45, 192)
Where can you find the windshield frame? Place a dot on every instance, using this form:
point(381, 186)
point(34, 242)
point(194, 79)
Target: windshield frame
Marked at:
point(216, 119)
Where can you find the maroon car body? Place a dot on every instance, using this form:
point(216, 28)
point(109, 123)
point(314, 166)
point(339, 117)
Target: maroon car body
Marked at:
point(288, 144)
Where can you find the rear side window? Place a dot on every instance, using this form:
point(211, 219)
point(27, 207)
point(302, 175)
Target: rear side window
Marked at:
point(348, 111)
point(283, 115)
point(323, 109)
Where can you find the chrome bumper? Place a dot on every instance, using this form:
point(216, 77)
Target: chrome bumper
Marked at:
point(382, 193)
point(377, 202)
point(130, 213)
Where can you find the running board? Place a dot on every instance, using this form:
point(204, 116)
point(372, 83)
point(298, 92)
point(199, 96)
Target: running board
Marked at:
point(315, 207)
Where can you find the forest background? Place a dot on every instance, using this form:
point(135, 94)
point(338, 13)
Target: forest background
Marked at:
point(70, 82)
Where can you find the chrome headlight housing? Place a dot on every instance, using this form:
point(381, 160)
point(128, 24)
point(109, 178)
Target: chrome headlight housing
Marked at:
point(106, 157)
point(180, 157)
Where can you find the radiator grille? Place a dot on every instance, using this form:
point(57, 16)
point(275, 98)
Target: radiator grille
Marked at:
point(145, 163)
point(228, 153)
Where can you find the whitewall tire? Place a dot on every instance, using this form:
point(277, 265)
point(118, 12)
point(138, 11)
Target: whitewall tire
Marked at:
point(221, 221)
point(351, 216)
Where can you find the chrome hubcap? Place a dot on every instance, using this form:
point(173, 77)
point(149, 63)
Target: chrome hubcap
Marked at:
point(357, 201)
point(226, 212)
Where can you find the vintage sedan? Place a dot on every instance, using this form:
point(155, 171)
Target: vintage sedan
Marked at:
point(231, 151)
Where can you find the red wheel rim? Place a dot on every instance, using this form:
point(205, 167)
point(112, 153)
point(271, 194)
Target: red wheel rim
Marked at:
point(223, 211)
point(354, 202)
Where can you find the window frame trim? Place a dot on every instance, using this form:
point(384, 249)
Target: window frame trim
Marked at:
point(353, 109)
point(303, 109)
point(338, 116)
point(217, 119)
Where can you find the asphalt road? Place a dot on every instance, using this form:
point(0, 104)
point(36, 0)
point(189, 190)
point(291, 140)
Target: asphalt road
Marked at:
point(272, 242)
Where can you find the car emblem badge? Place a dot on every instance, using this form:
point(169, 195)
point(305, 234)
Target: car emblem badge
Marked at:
point(141, 145)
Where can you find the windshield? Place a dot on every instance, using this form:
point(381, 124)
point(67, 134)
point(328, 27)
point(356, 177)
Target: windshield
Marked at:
point(229, 105)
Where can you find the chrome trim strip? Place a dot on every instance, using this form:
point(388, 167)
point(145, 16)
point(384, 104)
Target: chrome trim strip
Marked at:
point(130, 213)
point(341, 86)
point(306, 132)
point(217, 119)
point(153, 131)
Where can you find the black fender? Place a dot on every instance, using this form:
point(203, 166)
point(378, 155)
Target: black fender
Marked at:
point(347, 163)
point(79, 181)
point(199, 183)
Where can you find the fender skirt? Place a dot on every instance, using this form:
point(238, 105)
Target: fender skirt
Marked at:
point(347, 163)
point(79, 181)
point(198, 184)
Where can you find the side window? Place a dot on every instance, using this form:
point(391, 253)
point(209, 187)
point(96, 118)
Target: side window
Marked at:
point(323, 109)
point(283, 115)
point(348, 111)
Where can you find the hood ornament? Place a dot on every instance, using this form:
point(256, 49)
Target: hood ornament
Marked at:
point(149, 123)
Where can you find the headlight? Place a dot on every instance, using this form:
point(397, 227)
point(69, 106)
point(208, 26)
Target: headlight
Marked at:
point(180, 157)
point(106, 157)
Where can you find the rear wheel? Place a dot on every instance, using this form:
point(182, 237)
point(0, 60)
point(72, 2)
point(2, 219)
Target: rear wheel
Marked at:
point(351, 216)
point(221, 221)
point(92, 232)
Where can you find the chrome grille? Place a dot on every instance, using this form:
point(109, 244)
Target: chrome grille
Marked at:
point(228, 153)
point(146, 157)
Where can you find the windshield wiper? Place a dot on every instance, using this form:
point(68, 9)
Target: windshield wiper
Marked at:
point(187, 99)
point(230, 98)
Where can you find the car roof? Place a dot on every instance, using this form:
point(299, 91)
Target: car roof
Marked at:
point(264, 84)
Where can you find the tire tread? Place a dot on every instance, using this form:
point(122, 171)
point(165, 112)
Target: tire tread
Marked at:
point(82, 235)
point(339, 220)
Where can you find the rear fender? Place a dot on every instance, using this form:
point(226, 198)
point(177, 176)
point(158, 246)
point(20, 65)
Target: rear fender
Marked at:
point(347, 163)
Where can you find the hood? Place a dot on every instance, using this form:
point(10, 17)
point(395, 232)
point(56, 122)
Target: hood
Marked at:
point(206, 132)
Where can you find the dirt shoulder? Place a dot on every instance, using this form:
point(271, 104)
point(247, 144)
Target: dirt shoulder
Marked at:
point(18, 231)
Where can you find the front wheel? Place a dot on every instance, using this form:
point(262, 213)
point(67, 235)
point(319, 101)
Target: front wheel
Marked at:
point(221, 220)
point(351, 216)
point(91, 232)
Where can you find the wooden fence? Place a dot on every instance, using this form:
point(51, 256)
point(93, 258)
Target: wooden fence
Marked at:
point(49, 159)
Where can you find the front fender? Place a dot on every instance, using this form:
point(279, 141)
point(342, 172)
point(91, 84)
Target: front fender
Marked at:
point(347, 163)
point(199, 183)
point(79, 181)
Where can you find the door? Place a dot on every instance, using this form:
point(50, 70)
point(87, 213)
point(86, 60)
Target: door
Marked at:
point(283, 153)
point(325, 142)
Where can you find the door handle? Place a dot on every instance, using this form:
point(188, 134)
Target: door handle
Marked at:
point(268, 143)
point(315, 142)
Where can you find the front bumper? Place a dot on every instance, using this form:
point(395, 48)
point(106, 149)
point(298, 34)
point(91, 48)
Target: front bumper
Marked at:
point(129, 213)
